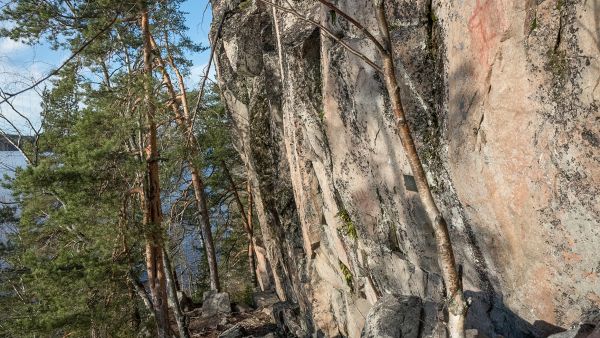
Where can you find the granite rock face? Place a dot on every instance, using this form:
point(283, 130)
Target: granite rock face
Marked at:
point(503, 97)
point(404, 316)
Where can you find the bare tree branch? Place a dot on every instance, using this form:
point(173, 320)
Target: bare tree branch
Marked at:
point(356, 24)
point(16, 111)
point(7, 96)
point(207, 70)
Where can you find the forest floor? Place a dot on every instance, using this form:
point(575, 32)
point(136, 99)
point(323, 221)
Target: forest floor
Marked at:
point(242, 321)
point(256, 323)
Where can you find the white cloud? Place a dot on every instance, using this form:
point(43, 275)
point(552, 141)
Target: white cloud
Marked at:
point(27, 104)
point(8, 46)
point(14, 77)
point(197, 75)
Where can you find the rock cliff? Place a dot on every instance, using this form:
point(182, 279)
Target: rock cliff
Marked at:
point(503, 98)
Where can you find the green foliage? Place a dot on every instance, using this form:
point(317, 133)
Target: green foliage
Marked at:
point(8, 214)
point(243, 296)
point(432, 17)
point(333, 16)
point(79, 231)
point(65, 258)
point(347, 274)
point(534, 25)
point(322, 116)
point(348, 227)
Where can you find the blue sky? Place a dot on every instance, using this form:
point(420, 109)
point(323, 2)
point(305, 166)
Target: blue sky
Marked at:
point(21, 64)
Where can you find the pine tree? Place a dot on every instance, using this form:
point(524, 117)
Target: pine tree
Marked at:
point(111, 172)
point(68, 262)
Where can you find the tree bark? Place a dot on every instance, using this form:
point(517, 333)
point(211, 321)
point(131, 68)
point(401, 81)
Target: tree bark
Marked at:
point(247, 222)
point(138, 287)
point(206, 229)
point(172, 292)
point(457, 306)
point(152, 217)
point(251, 252)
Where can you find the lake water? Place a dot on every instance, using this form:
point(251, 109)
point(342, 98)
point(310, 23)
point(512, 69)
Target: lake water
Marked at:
point(9, 160)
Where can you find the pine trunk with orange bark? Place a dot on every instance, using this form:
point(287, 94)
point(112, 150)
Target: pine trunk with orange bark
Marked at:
point(152, 217)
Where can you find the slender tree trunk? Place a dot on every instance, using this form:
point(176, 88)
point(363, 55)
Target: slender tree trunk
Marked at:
point(185, 125)
point(211, 256)
point(138, 287)
point(457, 306)
point(172, 292)
point(152, 205)
point(251, 252)
point(247, 222)
point(176, 281)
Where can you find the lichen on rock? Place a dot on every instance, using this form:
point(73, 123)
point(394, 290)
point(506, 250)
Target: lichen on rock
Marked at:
point(505, 119)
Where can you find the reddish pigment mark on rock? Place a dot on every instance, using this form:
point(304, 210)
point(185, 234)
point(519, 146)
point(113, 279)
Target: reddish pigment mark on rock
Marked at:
point(486, 25)
point(571, 257)
point(592, 276)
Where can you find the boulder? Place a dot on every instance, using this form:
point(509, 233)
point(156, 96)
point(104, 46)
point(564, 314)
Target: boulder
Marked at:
point(433, 321)
point(588, 327)
point(288, 318)
point(474, 333)
point(394, 316)
point(215, 303)
point(269, 335)
point(579, 331)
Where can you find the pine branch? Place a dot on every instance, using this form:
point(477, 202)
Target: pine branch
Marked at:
point(7, 96)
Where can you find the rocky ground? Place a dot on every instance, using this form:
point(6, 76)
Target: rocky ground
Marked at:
point(217, 316)
point(255, 323)
point(393, 316)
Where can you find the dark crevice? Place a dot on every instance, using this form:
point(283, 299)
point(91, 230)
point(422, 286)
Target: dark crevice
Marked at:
point(430, 21)
point(559, 35)
point(480, 123)
point(421, 321)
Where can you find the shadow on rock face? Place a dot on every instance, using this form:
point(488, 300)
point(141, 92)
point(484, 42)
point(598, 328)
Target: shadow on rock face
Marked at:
point(409, 316)
point(497, 319)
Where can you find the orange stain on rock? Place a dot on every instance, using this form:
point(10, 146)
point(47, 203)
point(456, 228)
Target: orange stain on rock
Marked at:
point(571, 257)
point(486, 25)
point(592, 276)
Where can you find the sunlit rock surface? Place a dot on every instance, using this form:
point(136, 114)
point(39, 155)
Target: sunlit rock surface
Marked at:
point(503, 98)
